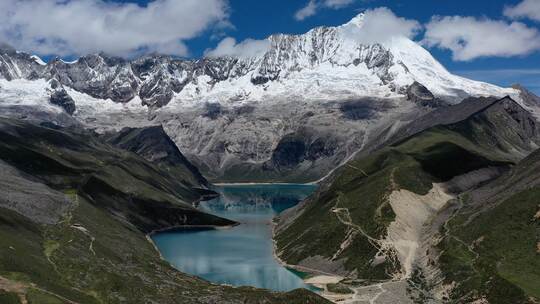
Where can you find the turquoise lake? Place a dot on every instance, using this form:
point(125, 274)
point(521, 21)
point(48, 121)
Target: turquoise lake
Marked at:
point(242, 255)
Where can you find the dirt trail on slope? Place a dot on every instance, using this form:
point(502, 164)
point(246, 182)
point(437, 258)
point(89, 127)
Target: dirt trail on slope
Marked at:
point(411, 236)
point(404, 236)
point(391, 292)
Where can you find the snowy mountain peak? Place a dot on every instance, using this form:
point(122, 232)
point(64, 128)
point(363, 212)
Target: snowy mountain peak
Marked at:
point(357, 20)
point(326, 63)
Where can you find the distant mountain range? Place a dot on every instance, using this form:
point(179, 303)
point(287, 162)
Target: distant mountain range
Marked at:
point(324, 63)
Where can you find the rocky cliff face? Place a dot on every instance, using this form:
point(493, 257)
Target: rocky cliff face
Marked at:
point(155, 145)
point(421, 95)
point(61, 98)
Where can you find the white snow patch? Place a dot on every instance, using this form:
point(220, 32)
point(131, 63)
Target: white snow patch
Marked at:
point(28, 93)
point(69, 62)
point(38, 60)
point(425, 69)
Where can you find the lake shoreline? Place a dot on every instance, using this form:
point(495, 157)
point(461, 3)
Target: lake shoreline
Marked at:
point(291, 266)
point(316, 278)
point(254, 246)
point(149, 235)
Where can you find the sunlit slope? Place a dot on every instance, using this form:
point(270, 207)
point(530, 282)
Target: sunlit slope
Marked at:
point(350, 226)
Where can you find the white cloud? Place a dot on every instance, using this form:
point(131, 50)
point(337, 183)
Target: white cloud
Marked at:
point(311, 8)
point(76, 27)
point(246, 48)
point(336, 4)
point(307, 11)
point(525, 9)
point(469, 38)
point(380, 24)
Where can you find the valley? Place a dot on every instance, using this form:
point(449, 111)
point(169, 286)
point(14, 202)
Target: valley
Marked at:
point(93, 229)
point(320, 170)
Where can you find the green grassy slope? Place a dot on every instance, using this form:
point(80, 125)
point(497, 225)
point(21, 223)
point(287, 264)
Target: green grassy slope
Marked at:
point(495, 136)
point(110, 263)
point(491, 245)
point(362, 187)
point(117, 180)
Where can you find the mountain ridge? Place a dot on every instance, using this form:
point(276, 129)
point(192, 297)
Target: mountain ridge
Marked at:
point(156, 146)
point(324, 94)
point(388, 68)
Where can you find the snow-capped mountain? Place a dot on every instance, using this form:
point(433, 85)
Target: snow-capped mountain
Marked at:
point(298, 109)
point(321, 63)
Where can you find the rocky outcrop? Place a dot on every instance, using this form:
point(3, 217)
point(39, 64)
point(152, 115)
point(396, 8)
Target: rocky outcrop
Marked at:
point(289, 152)
point(528, 97)
point(520, 129)
point(419, 94)
point(61, 98)
point(302, 146)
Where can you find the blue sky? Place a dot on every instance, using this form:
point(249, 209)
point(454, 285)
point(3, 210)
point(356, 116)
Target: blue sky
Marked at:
point(188, 28)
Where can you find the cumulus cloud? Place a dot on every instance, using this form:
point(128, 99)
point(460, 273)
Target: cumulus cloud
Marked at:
point(377, 26)
point(244, 49)
point(525, 9)
point(311, 8)
point(75, 27)
point(307, 11)
point(469, 37)
point(380, 24)
point(336, 4)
